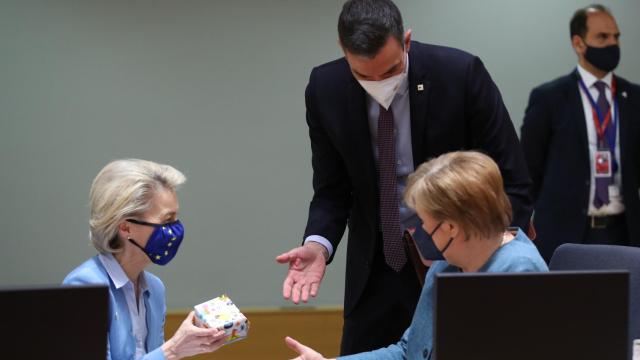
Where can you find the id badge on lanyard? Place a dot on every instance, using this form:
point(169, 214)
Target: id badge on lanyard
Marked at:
point(602, 163)
point(603, 160)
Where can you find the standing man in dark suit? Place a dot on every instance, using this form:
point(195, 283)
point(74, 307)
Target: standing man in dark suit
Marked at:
point(374, 116)
point(581, 140)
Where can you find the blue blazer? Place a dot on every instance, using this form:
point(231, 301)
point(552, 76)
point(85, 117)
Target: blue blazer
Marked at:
point(519, 255)
point(121, 343)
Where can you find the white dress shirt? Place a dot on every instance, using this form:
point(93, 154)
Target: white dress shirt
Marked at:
point(616, 205)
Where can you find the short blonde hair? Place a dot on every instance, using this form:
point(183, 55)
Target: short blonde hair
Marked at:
point(122, 189)
point(464, 187)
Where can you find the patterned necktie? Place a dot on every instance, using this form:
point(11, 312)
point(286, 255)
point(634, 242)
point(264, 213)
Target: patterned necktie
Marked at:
point(601, 196)
point(389, 211)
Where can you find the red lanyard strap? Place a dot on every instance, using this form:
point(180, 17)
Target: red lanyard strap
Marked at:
point(598, 121)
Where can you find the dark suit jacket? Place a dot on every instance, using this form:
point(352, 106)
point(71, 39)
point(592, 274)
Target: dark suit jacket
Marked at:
point(459, 108)
point(554, 140)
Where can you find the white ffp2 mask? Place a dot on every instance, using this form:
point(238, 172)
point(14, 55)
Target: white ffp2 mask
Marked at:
point(383, 91)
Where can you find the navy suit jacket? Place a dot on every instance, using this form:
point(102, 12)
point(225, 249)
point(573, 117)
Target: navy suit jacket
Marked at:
point(457, 107)
point(554, 141)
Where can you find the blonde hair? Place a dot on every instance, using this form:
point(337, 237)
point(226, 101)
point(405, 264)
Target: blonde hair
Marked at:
point(464, 187)
point(122, 189)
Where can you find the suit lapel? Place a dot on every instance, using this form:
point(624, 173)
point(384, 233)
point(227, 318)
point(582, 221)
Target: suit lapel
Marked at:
point(419, 88)
point(624, 118)
point(576, 112)
point(358, 121)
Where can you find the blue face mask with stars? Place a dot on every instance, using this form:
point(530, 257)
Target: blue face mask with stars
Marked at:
point(164, 241)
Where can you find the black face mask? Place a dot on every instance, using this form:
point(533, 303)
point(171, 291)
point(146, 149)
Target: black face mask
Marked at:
point(426, 246)
point(604, 58)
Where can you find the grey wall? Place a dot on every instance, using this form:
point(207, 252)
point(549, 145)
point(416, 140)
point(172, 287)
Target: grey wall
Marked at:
point(216, 89)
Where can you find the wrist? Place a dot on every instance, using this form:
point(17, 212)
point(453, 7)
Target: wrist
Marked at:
point(318, 248)
point(169, 351)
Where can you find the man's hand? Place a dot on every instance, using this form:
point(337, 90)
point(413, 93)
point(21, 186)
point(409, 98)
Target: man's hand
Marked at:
point(305, 352)
point(306, 269)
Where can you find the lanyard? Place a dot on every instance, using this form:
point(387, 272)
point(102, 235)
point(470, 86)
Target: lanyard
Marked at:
point(601, 124)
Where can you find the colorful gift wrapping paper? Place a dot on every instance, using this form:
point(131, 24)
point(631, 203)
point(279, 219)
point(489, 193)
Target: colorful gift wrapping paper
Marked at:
point(222, 313)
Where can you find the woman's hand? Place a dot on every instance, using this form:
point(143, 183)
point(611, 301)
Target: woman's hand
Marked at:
point(191, 340)
point(305, 352)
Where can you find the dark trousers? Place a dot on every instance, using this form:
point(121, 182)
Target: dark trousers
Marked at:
point(613, 231)
point(384, 310)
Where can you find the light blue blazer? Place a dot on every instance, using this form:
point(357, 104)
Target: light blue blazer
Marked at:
point(121, 342)
point(519, 255)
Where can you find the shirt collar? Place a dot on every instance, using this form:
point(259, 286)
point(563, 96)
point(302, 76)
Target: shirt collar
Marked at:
point(589, 79)
point(117, 274)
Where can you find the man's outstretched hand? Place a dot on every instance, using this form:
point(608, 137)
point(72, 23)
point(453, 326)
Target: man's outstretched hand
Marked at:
point(307, 264)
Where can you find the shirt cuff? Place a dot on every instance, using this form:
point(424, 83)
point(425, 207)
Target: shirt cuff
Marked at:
point(322, 241)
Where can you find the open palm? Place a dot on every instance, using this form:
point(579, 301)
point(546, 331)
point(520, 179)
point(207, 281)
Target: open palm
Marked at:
point(306, 270)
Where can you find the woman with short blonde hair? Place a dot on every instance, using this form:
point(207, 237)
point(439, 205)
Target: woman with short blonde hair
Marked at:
point(464, 210)
point(133, 223)
point(462, 186)
point(121, 190)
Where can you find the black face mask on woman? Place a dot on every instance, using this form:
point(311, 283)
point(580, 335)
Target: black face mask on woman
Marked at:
point(604, 58)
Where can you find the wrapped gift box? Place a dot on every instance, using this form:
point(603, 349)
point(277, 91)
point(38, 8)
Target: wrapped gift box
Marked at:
point(222, 313)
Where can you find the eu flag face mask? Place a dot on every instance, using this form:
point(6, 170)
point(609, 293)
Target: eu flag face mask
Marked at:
point(164, 241)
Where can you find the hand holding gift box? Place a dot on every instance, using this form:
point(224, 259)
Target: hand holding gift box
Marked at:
point(221, 313)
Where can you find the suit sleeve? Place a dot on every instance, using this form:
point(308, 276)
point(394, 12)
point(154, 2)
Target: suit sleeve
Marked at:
point(493, 132)
point(332, 190)
point(535, 138)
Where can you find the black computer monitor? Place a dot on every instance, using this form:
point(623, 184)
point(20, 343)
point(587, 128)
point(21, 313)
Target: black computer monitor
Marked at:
point(532, 316)
point(54, 322)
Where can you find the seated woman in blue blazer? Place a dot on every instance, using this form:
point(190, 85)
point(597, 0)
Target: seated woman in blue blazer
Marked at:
point(464, 210)
point(133, 223)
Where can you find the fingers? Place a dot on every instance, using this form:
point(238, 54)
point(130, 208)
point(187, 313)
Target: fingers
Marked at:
point(304, 293)
point(314, 289)
point(211, 342)
point(286, 287)
point(295, 293)
point(211, 346)
point(204, 332)
point(287, 257)
point(294, 345)
point(190, 318)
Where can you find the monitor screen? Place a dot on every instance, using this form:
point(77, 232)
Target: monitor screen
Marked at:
point(54, 322)
point(527, 316)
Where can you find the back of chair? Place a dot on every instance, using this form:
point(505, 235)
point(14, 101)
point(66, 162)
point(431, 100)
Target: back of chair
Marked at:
point(605, 257)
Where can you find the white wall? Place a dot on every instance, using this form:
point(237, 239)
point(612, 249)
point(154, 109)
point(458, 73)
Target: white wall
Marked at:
point(216, 89)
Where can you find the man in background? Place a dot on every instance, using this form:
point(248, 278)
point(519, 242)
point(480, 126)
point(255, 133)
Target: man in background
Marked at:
point(581, 140)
